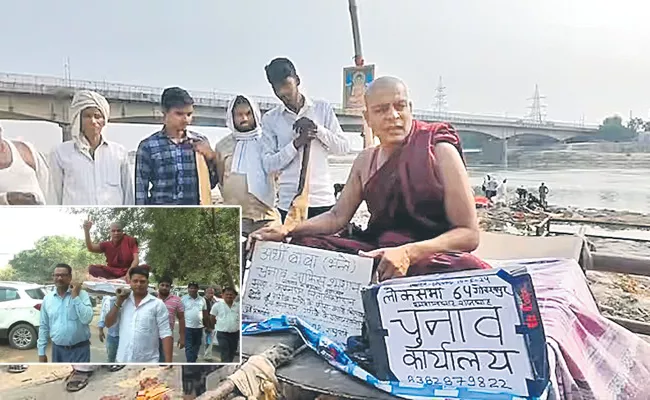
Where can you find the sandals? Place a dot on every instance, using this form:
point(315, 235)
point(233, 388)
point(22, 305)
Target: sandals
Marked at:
point(77, 380)
point(16, 369)
point(115, 367)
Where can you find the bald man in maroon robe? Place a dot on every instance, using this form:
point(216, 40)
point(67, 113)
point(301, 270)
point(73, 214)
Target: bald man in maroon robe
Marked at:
point(422, 213)
point(121, 253)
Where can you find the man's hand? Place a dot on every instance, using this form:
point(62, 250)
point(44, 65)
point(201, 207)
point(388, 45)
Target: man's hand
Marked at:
point(42, 359)
point(181, 342)
point(21, 199)
point(101, 335)
point(87, 225)
point(76, 289)
point(394, 261)
point(202, 147)
point(267, 234)
point(306, 129)
point(305, 125)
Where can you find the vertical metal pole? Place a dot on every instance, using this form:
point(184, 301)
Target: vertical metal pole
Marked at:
point(356, 36)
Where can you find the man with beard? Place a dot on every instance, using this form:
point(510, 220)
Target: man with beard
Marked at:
point(66, 314)
point(143, 320)
point(175, 309)
point(243, 180)
point(288, 128)
point(121, 253)
point(91, 170)
point(24, 174)
point(178, 163)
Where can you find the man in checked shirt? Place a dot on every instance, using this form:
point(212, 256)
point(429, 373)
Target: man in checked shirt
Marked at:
point(166, 160)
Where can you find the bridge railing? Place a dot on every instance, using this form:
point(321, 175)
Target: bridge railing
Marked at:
point(23, 83)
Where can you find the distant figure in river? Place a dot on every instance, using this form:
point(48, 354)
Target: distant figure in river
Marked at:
point(491, 187)
point(502, 192)
point(522, 193)
point(484, 185)
point(543, 191)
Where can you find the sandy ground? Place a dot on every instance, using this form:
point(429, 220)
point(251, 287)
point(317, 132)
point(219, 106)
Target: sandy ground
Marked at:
point(46, 382)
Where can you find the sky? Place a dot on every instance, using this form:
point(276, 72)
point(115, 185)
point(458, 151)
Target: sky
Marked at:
point(588, 57)
point(23, 226)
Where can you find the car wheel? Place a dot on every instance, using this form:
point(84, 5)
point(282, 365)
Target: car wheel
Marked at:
point(23, 337)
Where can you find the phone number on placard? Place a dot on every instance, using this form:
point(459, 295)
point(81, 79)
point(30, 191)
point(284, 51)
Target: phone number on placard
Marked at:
point(469, 381)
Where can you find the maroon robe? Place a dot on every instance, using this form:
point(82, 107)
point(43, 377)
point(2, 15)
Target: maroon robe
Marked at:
point(405, 198)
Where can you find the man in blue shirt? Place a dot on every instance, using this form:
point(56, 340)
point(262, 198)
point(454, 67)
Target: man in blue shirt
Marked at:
point(113, 336)
point(167, 160)
point(66, 314)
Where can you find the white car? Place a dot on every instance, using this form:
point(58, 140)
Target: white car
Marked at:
point(20, 313)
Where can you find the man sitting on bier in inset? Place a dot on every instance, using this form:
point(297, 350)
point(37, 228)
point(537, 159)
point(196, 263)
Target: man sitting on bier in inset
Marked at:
point(121, 253)
point(422, 213)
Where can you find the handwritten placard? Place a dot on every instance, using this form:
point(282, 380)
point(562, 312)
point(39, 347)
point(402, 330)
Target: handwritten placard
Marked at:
point(456, 332)
point(321, 287)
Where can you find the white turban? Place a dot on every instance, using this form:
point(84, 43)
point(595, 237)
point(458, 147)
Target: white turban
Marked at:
point(82, 100)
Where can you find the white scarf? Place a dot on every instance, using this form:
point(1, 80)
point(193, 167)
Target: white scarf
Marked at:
point(247, 156)
point(82, 100)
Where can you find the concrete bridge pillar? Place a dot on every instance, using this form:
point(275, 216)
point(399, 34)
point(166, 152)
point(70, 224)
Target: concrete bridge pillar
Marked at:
point(66, 131)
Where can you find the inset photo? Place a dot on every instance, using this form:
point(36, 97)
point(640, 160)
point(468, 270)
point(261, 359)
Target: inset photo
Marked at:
point(120, 285)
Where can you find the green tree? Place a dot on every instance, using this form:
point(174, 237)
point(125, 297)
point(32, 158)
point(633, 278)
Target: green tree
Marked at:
point(189, 244)
point(38, 263)
point(7, 273)
point(612, 130)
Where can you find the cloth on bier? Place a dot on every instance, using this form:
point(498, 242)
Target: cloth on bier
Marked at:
point(118, 258)
point(405, 199)
point(590, 356)
point(82, 100)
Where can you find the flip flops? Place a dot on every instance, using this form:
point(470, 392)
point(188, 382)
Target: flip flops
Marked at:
point(77, 380)
point(16, 369)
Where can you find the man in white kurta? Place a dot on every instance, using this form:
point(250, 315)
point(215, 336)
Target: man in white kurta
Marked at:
point(90, 170)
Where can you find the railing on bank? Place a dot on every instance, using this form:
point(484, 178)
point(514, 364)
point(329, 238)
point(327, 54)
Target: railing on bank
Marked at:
point(603, 262)
point(52, 85)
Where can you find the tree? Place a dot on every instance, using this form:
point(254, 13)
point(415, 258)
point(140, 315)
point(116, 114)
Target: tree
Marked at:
point(612, 130)
point(37, 264)
point(189, 244)
point(7, 273)
point(636, 124)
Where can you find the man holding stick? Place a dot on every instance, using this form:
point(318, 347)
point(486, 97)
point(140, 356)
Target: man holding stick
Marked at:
point(143, 319)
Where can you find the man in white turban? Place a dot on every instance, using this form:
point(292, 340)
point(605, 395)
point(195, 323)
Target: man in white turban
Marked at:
point(90, 170)
point(24, 174)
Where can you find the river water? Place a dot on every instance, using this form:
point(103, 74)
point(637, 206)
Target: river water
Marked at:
point(579, 186)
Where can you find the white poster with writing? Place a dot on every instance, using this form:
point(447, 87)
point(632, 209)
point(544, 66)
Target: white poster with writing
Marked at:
point(455, 332)
point(321, 287)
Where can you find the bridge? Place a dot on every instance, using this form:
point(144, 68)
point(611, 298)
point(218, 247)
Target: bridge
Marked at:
point(42, 98)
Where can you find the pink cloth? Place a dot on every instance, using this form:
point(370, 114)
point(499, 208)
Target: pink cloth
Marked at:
point(592, 358)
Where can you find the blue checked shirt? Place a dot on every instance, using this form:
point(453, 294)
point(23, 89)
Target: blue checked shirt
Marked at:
point(170, 168)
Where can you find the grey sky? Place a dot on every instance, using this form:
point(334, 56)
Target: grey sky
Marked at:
point(588, 56)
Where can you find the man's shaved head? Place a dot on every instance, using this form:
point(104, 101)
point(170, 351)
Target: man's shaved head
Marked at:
point(117, 231)
point(388, 110)
point(383, 83)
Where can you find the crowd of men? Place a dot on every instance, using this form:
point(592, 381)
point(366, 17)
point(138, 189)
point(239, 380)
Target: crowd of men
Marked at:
point(423, 218)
